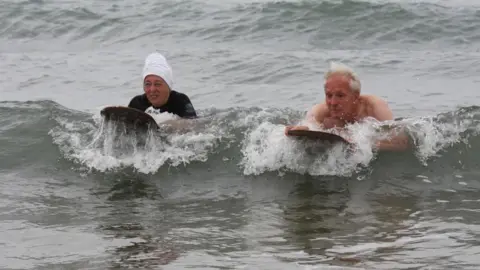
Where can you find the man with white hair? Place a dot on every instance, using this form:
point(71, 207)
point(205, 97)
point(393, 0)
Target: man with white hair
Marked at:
point(159, 96)
point(345, 105)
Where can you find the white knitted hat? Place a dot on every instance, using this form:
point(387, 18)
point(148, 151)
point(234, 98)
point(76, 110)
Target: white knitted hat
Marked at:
point(156, 64)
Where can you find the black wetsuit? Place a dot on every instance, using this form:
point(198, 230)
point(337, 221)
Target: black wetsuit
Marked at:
point(178, 103)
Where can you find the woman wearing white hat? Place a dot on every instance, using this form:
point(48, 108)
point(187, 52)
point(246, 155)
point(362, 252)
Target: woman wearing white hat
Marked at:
point(159, 96)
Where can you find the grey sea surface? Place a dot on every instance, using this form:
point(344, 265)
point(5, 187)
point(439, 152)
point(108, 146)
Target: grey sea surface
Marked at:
point(233, 192)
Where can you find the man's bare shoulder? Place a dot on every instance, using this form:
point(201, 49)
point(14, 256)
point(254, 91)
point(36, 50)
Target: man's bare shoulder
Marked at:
point(320, 107)
point(318, 110)
point(373, 100)
point(377, 107)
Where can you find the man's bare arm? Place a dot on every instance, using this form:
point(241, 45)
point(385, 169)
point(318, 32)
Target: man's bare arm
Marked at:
point(314, 116)
point(397, 142)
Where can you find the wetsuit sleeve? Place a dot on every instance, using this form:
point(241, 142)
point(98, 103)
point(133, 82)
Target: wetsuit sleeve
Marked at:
point(187, 110)
point(138, 103)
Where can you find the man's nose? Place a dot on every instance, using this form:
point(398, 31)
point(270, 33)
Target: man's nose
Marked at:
point(333, 101)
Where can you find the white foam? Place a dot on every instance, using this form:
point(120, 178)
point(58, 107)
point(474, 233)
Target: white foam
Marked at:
point(105, 148)
point(431, 136)
point(266, 148)
point(163, 117)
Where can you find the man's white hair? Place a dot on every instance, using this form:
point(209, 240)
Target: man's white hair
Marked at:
point(339, 68)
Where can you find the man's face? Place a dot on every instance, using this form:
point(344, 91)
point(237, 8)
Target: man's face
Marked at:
point(339, 97)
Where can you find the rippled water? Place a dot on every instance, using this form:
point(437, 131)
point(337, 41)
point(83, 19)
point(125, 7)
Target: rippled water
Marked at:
point(233, 192)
